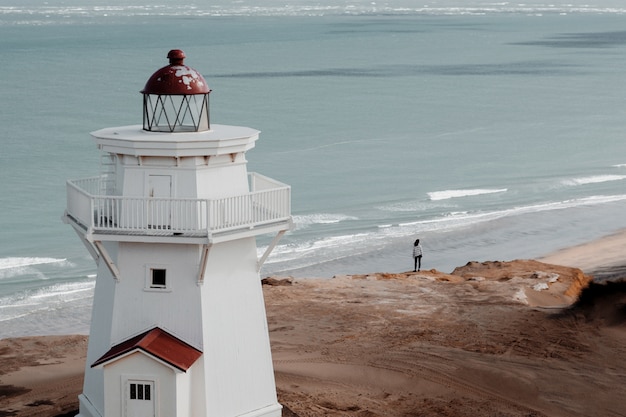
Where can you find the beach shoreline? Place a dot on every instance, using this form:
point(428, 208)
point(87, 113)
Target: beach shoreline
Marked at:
point(480, 341)
point(606, 254)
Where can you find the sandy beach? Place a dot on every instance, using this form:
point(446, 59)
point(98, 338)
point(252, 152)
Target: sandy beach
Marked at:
point(598, 255)
point(490, 339)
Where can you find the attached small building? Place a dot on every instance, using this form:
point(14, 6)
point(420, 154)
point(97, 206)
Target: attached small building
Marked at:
point(132, 370)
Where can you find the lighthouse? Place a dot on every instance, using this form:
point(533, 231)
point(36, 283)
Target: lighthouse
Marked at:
point(178, 323)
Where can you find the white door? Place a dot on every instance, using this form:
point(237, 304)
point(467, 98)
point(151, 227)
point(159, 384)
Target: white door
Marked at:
point(140, 398)
point(159, 206)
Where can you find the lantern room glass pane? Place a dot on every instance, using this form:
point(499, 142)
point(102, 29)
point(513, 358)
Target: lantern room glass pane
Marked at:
point(176, 113)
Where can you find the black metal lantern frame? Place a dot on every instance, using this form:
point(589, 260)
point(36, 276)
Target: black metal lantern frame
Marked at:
point(176, 113)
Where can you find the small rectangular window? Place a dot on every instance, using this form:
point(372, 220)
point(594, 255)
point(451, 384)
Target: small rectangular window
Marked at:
point(158, 278)
point(140, 391)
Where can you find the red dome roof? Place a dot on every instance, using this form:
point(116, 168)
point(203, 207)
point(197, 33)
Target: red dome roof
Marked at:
point(176, 78)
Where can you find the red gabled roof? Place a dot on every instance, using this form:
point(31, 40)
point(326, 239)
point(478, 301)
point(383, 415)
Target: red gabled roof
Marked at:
point(158, 343)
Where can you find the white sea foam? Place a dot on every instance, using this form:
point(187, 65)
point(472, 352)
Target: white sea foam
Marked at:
point(447, 194)
point(17, 266)
point(293, 251)
point(19, 262)
point(50, 297)
point(321, 250)
point(62, 291)
point(46, 14)
point(412, 206)
point(464, 218)
point(302, 221)
point(595, 179)
point(56, 291)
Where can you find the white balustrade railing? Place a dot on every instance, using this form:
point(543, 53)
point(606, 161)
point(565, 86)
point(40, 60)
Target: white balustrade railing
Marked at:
point(268, 202)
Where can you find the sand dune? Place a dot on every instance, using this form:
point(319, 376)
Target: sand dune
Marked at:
point(494, 338)
point(435, 345)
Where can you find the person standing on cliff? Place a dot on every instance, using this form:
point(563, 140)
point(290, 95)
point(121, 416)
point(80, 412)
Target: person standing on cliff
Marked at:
point(417, 255)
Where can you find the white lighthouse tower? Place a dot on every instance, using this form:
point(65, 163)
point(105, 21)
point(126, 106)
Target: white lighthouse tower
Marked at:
point(178, 325)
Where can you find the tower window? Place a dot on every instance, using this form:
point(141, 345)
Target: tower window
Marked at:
point(158, 278)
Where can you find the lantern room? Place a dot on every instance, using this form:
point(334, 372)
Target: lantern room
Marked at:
point(176, 98)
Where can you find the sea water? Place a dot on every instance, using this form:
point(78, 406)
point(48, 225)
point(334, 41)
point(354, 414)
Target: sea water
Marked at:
point(491, 131)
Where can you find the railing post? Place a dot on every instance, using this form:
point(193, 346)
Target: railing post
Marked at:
point(252, 181)
point(209, 216)
point(94, 215)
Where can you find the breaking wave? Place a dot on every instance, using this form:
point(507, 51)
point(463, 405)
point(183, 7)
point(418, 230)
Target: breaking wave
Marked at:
point(303, 221)
point(20, 262)
point(15, 266)
point(595, 179)
point(447, 194)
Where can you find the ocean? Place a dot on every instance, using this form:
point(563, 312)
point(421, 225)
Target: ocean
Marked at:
point(489, 130)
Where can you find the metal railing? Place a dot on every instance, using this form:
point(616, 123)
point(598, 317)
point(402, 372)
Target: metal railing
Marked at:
point(268, 202)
